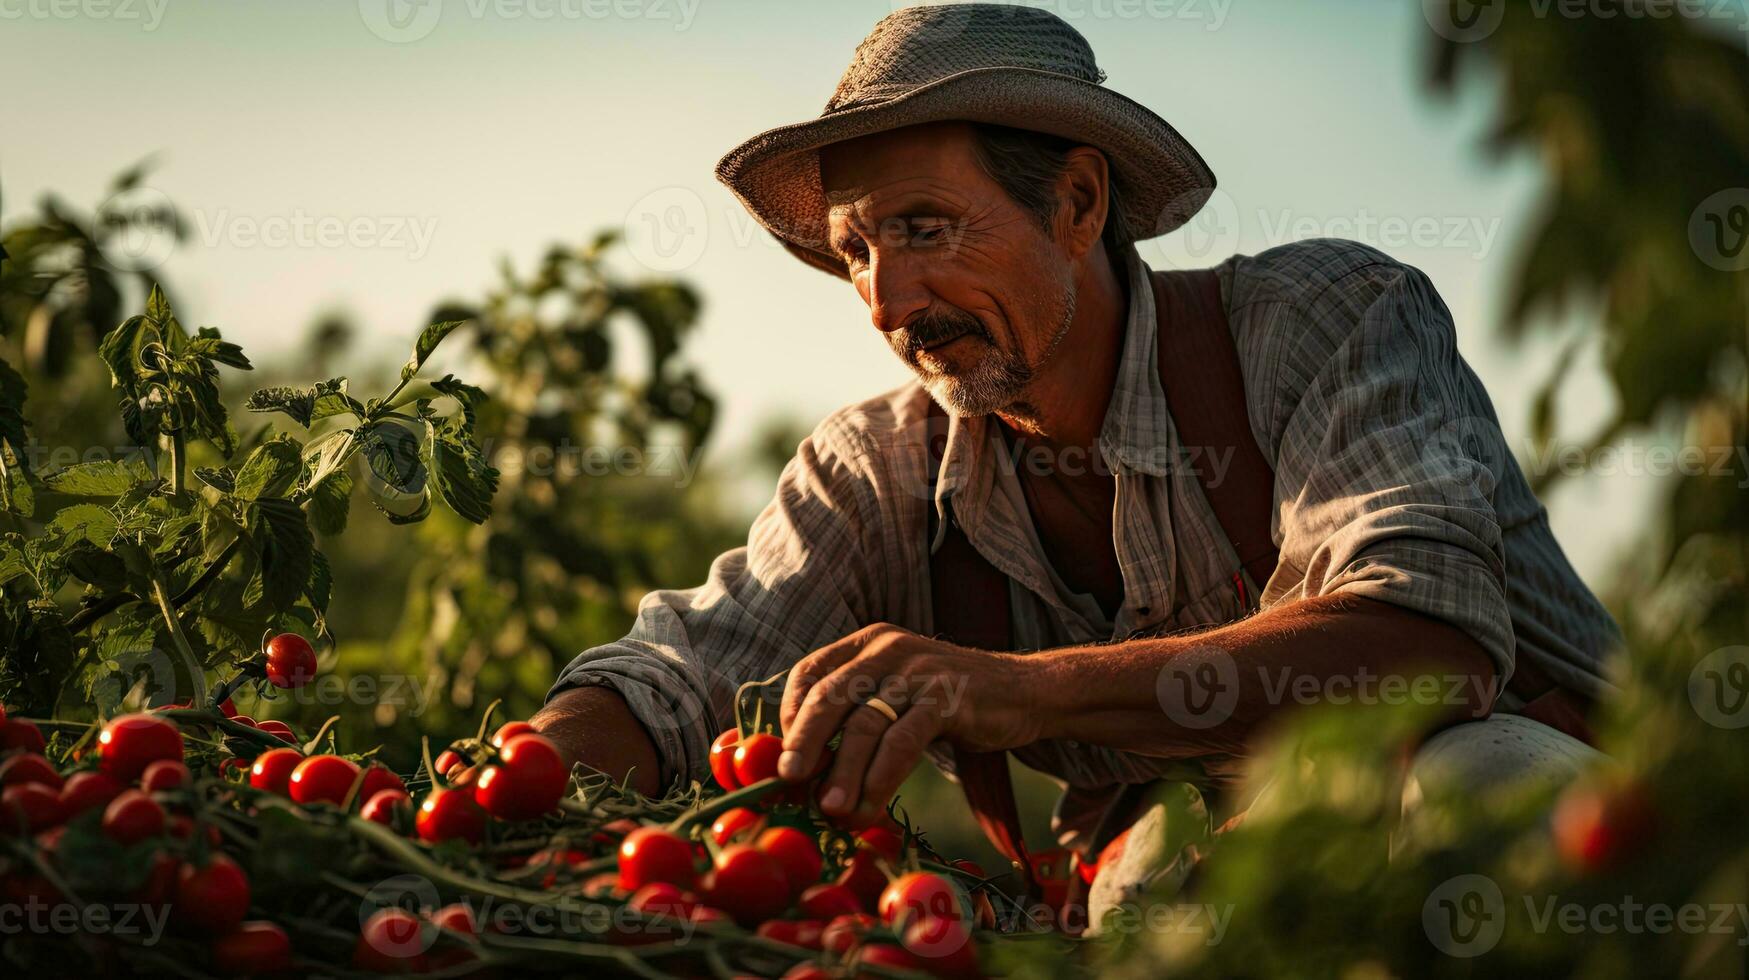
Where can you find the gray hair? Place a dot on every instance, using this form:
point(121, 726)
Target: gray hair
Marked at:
point(1026, 164)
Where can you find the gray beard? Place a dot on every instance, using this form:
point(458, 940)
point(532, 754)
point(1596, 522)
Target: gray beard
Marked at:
point(997, 381)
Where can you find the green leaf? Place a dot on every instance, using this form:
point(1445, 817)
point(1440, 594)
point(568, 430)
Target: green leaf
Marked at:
point(207, 344)
point(321, 584)
point(429, 338)
point(460, 473)
point(87, 522)
point(271, 470)
point(157, 306)
point(413, 516)
point(307, 405)
point(13, 391)
point(329, 502)
point(466, 394)
point(221, 479)
point(393, 452)
point(118, 351)
point(99, 478)
point(103, 569)
point(16, 494)
point(287, 551)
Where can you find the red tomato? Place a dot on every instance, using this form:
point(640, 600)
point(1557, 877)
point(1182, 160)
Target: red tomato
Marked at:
point(756, 757)
point(290, 661)
point(278, 729)
point(392, 940)
point(246, 720)
point(28, 808)
point(1596, 827)
point(943, 946)
point(864, 878)
point(127, 745)
point(273, 770)
point(447, 760)
point(510, 730)
point(527, 781)
point(704, 915)
point(796, 852)
point(747, 883)
point(884, 841)
point(377, 778)
point(456, 917)
point(165, 774)
point(252, 949)
point(845, 932)
point(885, 955)
point(85, 790)
point(796, 932)
point(807, 971)
point(384, 804)
point(732, 822)
point(214, 898)
point(323, 779)
point(920, 893)
point(16, 733)
point(159, 888)
point(228, 708)
point(29, 767)
point(652, 854)
point(602, 885)
point(132, 817)
point(723, 758)
point(663, 898)
point(828, 901)
point(450, 814)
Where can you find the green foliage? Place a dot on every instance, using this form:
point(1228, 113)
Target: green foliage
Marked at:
point(177, 580)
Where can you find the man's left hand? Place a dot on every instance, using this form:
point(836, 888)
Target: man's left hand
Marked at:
point(976, 698)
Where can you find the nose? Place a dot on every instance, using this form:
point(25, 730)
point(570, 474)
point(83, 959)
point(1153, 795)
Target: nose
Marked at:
point(894, 290)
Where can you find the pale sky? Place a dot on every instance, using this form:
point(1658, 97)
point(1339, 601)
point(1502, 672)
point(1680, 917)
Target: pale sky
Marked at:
point(339, 154)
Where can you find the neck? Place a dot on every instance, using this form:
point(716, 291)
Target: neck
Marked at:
point(1066, 402)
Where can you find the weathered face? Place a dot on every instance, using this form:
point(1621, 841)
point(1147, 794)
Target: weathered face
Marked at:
point(970, 290)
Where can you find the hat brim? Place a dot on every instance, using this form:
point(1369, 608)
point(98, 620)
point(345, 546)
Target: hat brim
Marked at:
point(1162, 179)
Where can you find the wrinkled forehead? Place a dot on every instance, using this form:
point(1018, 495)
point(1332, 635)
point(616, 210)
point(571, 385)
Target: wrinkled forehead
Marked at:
point(935, 160)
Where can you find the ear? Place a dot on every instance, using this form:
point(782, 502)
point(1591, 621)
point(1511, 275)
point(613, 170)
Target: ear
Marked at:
point(1082, 199)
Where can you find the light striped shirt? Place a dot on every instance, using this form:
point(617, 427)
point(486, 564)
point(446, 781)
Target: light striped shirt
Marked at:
point(1392, 481)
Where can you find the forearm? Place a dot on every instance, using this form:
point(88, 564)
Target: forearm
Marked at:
point(1324, 649)
point(595, 726)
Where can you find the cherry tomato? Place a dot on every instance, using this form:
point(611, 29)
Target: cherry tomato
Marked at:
point(213, 898)
point(27, 808)
point(806, 971)
point(1596, 827)
point(165, 774)
point(456, 917)
point(278, 729)
point(828, 901)
point(16, 733)
point(652, 854)
point(377, 778)
point(384, 804)
point(29, 767)
point(663, 898)
point(704, 915)
point(159, 888)
point(450, 814)
point(510, 730)
point(943, 946)
point(273, 770)
point(391, 941)
point(732, 822)
point(884, 841)
point(886, 955)
point(246, 720)
point(603, 885)
point(130, 743)
point(796, 932)
point(447, 760)
point(920, 893)
point(796, 852)
point(132, 817)
point(864, 878)
point(747, 883)
point(252, 949)
point(290, 661)
point(756, 757)
point(723, 759)
point(228, 708)
point(323, 779)
point(527, 781)
point(86, 790)
point(845, 932)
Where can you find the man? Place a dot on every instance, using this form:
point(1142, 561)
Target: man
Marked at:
point(982, 192)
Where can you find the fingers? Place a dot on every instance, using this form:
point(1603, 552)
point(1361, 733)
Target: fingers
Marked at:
point(811, 670)
point(829, 702)
point(862, 736)
point(901, 748)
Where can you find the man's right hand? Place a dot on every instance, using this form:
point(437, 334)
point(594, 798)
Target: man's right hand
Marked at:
point(595, 726)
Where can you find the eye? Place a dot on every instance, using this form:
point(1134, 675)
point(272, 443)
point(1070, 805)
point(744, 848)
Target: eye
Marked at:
point(928, 231)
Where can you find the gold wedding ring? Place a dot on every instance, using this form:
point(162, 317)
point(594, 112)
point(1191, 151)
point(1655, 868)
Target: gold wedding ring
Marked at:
point(883, 707)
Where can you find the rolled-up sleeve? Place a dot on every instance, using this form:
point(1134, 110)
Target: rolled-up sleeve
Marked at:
point(808, 575)
point(1387, 455)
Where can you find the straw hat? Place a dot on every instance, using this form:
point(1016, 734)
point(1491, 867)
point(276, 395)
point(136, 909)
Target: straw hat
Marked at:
point(980, 62)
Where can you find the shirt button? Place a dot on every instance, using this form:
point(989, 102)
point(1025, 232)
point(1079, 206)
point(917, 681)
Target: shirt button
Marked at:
point(1071, 743)
point(1144, 610)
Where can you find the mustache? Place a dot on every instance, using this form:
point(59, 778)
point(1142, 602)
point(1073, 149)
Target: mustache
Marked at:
point(930, 328)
